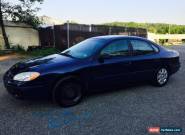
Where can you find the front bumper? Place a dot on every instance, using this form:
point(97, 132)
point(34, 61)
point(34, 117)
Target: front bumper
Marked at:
point(30, 92)
point(40, 88)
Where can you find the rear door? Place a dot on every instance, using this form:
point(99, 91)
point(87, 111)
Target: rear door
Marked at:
point(145, 59)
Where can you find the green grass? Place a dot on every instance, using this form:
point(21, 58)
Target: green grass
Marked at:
point(38, 52)
point(35, 52)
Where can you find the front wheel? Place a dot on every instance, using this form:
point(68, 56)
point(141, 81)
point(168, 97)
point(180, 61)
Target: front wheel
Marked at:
point(68, 94)
point(161, 77)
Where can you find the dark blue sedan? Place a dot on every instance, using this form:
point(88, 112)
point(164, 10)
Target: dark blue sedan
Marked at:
point(95, 64)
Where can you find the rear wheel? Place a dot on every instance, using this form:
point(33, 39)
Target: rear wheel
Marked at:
point(161, 77)
point(68, 94)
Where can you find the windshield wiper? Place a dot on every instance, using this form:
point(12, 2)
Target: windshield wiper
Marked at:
point(67, 54)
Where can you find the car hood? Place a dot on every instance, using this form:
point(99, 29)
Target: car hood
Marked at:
point(43, 63)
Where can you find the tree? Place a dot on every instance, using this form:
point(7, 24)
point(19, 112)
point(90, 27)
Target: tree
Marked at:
point(159, 28)
point(24, 11)
point(7, 45)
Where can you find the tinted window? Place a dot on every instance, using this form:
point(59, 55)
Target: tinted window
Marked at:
point(117, 48)
point(141, 47)
point(156, 49)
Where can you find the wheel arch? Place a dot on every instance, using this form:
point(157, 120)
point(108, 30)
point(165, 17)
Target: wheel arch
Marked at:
point(67, 78)
point(167, 65)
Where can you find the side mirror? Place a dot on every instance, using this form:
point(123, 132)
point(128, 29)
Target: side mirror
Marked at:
point(104, 56)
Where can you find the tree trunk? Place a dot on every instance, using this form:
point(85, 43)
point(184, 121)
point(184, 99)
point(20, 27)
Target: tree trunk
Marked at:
point(7, 45)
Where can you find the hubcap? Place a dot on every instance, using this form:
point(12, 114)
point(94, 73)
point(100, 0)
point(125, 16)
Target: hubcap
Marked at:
point(162, 76)
point(71, 93)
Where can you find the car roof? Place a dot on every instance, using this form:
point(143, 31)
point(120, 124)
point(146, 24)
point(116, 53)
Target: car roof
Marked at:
point(115, 37)
point(111, 38)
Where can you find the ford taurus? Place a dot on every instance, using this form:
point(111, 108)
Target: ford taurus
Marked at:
point(94, 64)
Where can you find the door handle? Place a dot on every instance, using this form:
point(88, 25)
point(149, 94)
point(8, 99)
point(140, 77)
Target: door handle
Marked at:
point(127, 63)
point(156, 60)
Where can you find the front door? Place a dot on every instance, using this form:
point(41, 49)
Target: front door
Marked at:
point(113, 65)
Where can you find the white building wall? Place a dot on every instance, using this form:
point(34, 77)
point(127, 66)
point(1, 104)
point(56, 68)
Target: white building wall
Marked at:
point(24, 36)
point(156, 37)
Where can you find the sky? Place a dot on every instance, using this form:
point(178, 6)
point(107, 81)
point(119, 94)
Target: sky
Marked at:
point(102, 11)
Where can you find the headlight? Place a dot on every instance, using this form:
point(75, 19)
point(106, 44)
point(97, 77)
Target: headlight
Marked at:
point(26, 76)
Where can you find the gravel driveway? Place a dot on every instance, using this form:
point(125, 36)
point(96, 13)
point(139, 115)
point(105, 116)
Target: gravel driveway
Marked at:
point(130, 111)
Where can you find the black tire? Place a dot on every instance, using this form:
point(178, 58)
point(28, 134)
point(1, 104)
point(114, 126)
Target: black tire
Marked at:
point(68, 94)
point(161, 77)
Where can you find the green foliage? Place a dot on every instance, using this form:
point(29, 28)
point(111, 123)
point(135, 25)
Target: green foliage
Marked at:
point(159, 28)
point(34, 53)
point(24, 11)
point(37, 52)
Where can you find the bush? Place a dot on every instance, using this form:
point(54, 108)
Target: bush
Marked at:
point(42, 52)
point(34, 51)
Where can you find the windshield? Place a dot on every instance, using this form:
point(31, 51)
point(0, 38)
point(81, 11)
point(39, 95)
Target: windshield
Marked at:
point(84, 49)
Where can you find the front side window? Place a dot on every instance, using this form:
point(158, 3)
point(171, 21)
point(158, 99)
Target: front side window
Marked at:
point(141, 47)
point(117, 48)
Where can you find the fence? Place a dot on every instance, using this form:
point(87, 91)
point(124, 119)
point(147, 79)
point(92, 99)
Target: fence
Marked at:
point(64, 36)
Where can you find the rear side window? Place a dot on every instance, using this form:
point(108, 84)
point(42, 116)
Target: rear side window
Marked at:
point(156, 49)
point(117, 48)
point(141, 47)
